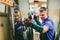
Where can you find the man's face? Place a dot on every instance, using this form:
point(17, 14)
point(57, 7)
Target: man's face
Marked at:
point(43, 15)
point(17, 16)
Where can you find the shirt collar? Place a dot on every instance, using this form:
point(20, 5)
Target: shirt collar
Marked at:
point(46, 19)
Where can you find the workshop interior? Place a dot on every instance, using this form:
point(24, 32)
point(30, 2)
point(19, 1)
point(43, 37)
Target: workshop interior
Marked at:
point(7, 8)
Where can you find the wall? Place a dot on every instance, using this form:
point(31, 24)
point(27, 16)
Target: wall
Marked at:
point(53, 11)
point(24, 7)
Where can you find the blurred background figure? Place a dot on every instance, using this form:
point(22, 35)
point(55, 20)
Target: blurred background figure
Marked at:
point(19, 26)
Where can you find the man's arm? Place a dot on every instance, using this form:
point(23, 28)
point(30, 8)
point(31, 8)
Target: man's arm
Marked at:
point(35, 26)
point(41, 29)
point(48, 25)
point(45, 29)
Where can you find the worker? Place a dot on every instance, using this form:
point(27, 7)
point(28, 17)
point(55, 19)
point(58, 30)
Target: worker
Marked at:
point(18, 26)
point(46, 28)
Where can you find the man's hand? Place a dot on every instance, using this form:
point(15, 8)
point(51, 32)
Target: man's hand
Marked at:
point(45, 29)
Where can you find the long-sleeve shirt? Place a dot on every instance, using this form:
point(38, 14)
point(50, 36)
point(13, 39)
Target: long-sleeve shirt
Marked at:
point(50, 33)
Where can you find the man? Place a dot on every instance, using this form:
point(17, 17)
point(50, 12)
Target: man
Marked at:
point(18, 26)
point(48, 25)
point(46, 29)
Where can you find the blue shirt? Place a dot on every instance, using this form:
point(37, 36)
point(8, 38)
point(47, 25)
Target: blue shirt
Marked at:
point(50, 33)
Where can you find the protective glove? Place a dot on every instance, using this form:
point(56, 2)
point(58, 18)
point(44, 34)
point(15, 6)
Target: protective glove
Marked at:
point(36, 18)
point(37, 27)
point(15, 24)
